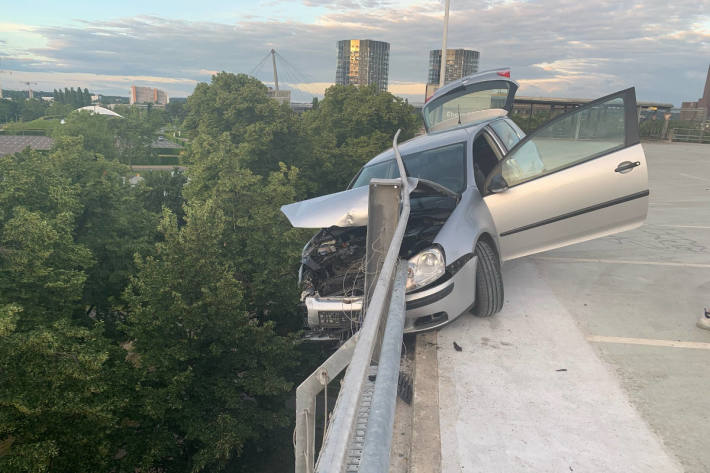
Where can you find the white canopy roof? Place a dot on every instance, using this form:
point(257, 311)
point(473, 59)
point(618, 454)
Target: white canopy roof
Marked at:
point(98, 110)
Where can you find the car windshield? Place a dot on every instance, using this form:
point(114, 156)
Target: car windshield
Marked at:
point(445, 166)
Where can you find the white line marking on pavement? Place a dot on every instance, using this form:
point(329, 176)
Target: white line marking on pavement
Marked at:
point(695, 177)
point(649, 342)
point(682, 226)
point(619, 261)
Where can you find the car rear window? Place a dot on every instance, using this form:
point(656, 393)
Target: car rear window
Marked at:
point(467, 106)
point(445, 166)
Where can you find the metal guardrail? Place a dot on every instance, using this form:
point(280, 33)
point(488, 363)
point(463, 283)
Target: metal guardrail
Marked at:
point(373, 342)
point(690, 135)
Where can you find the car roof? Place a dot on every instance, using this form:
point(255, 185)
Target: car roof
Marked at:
point(430, 141)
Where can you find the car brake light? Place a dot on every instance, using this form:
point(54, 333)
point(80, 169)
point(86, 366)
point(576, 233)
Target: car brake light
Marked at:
point(504, 74)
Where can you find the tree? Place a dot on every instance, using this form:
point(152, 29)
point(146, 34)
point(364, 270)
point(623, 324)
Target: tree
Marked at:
point(238, 107)
point(350, 126)
point(56, 367)
point(213, 377)
point(163, 189)
point(113, 223)
point(32, 109)
point(87, 97)
point(98, 132)
point(9, 110)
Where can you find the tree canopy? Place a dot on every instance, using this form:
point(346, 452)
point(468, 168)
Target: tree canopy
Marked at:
point(151, 324)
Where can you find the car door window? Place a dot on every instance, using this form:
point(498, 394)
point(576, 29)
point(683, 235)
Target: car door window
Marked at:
point(507, 135)
point(576, 137)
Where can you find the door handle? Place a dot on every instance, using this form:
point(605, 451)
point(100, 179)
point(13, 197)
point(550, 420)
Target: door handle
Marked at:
point(627, 166)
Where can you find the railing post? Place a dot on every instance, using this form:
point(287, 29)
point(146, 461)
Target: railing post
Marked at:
point(382, 218)
point(305, 432)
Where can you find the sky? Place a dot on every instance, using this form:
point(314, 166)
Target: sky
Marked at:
point(555, 48)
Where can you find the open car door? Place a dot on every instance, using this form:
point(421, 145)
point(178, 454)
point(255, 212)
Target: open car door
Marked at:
point(582, 175)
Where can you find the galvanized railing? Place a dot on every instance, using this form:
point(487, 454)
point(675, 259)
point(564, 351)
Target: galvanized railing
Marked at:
point(690, 135)
point(353, 441)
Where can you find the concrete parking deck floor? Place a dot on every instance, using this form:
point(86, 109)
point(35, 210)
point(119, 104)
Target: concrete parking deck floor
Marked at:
point(582, 369)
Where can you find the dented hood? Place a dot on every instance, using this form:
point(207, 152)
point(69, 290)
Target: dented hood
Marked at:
point(349, 208)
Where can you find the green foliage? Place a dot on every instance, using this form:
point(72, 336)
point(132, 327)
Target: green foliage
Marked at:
point(97, 131)
point(59, 400)
point(654, 128)
point(58, 109)
point(9, 110)
point(529, 123)
point(113, 223)
point(212, 376)
point(126, 139)
point(33, 109)
point(74, 98)
point(131, 342)
point(237, 108)
point(40, 126)
point(347, 128)
point(63, 385)
point(164, 189)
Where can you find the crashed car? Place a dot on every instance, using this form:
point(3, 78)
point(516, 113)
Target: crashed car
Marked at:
point(483, 193)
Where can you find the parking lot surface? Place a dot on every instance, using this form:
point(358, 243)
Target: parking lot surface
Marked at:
point(594, 363)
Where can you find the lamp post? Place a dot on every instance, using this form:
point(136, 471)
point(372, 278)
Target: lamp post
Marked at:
point(442, 71)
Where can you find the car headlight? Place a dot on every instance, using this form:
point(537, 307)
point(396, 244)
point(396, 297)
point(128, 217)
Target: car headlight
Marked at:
point(424, 268)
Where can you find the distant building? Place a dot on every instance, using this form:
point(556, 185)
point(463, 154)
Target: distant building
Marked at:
point(282, 96)
point(146, 95)
point(459, 63)
point(699, 110)
point(10, 144)
point(363, 62)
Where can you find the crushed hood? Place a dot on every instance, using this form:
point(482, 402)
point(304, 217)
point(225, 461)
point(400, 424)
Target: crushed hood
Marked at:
point(349, 208)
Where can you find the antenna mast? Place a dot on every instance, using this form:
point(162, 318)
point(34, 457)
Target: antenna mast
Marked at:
point(276, 76)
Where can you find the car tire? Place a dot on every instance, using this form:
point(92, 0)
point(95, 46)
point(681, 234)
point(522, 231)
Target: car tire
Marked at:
point(489, 283)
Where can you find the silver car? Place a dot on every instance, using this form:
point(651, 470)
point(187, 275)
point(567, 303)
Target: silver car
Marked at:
point(485, 193)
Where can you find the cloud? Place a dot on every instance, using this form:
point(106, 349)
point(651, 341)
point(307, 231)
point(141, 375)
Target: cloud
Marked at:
point(555, 47)
point(348, 4)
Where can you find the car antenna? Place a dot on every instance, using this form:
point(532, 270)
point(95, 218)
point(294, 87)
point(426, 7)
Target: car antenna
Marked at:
point(458, 107)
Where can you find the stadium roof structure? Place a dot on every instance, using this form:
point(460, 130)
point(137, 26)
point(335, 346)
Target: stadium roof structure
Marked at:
point(96, 110)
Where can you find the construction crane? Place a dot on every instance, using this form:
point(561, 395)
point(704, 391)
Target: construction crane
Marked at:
point(29, 88)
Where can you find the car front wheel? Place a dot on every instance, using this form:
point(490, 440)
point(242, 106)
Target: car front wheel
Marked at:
point(489, 283)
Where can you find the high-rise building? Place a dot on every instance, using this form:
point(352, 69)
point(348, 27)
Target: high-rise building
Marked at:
point(699, 110)
point(363, 62)
point(459, 63)
point(148, 95)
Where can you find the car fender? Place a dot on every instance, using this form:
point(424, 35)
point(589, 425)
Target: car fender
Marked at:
point(469, 220)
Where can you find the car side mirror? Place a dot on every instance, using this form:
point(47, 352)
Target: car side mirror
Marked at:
point(497, 184)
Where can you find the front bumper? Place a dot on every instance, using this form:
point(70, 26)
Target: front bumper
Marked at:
point(426, 310)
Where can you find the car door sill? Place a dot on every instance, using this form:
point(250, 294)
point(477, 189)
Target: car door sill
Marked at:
point(619, 200)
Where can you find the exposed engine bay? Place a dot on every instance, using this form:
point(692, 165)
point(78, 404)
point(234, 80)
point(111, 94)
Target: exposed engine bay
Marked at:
point(333, 263)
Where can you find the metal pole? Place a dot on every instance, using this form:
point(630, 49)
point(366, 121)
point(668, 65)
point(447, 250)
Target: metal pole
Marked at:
point(276, 76)
point(383, 216)
point(442, 71)
point(378, 441)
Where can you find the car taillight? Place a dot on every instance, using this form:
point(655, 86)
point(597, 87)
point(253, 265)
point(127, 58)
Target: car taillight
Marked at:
point(504, 74)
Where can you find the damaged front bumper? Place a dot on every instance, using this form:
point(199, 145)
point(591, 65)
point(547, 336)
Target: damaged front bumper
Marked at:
point(427, 309)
